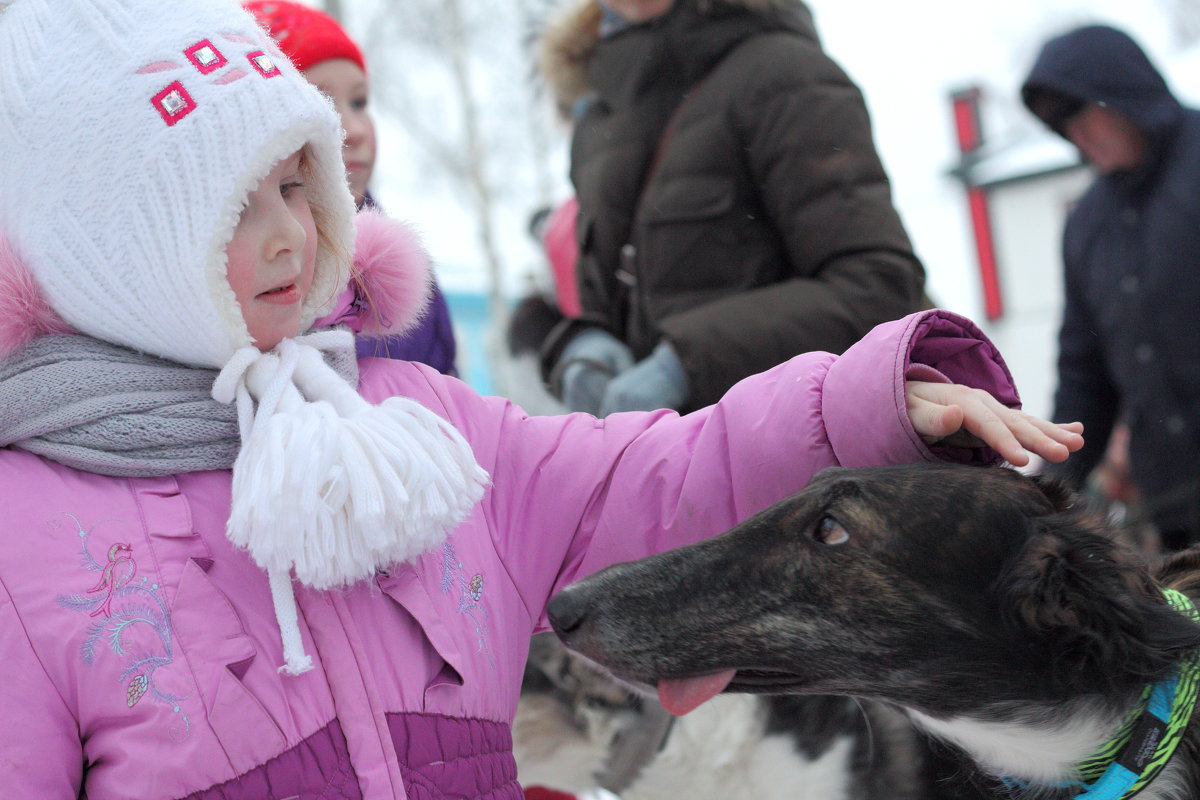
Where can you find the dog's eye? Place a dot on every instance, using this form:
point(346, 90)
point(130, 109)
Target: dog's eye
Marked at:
point(830, 531)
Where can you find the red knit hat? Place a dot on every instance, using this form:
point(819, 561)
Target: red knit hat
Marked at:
point(306, 35)
point(542, 793)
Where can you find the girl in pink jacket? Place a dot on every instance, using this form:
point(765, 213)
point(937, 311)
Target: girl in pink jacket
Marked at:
point(224, 572)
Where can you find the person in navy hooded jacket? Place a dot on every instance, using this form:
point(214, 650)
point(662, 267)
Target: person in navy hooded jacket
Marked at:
point(1128, 348)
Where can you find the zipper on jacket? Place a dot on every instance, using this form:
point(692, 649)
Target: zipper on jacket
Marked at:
point(634, 323)
point(625, 272)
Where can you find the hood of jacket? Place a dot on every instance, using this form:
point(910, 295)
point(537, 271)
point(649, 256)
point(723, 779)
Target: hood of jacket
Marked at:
point(1100, 65)
point(569, 41)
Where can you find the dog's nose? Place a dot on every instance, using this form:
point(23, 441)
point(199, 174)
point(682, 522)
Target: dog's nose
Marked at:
point(567, 611)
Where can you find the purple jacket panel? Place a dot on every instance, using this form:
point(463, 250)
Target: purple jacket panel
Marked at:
point(443, 757)
point(431, 342)
point(316, 769)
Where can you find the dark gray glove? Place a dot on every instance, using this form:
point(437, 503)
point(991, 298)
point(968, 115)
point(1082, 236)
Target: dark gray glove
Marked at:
point(588, 363)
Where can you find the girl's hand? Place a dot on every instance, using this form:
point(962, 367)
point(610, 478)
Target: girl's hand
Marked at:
point(953, 415)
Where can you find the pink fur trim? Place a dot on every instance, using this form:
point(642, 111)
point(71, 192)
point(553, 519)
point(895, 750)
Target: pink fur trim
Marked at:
point(393, 274)
point(24, 313)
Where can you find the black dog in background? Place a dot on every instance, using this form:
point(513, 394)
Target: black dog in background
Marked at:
point(987, 605)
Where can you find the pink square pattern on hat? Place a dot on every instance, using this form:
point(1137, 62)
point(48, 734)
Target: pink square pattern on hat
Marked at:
point(263, 63)
point(205, 57)
point(173, 103)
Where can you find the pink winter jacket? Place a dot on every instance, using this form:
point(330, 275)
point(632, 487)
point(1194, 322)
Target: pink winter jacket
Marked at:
point(170, 685)
point(139, 651)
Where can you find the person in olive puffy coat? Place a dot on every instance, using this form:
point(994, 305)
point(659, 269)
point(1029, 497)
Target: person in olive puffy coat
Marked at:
point(758, 226)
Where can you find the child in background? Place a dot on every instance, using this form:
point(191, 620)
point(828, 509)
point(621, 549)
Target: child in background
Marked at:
point(558, 241)
point(201, 483)
point(320, 48)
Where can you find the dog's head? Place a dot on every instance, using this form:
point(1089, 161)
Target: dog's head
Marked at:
point(942, 588)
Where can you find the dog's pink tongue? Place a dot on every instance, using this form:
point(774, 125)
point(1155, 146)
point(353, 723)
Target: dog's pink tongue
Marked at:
point(681, 695)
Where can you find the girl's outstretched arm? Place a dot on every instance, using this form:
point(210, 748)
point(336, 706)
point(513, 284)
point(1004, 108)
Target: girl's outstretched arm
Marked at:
point(572, 494)
point(950, 414)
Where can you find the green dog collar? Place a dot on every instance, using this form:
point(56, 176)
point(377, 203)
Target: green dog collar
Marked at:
point(1135, 757)
point(1147, 739)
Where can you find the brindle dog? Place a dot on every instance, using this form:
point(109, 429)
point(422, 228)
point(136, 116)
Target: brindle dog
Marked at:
point(990, 606)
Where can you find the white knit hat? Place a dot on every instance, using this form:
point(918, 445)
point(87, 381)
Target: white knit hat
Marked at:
point(131, 133)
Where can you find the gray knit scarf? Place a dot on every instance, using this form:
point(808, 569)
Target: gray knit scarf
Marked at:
point(102, 408)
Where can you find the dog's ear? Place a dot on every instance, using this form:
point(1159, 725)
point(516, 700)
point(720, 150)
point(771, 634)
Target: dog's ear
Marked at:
point(1056, 491)
point(1180, 570)
point(1092, 604)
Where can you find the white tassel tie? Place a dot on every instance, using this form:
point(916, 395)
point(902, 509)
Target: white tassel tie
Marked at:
point(330, 487)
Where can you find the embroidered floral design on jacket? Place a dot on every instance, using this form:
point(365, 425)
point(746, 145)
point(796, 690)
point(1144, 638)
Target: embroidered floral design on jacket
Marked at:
point(470, 594)
point(133, 621)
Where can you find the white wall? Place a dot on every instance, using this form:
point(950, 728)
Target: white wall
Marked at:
point(1027, 220)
